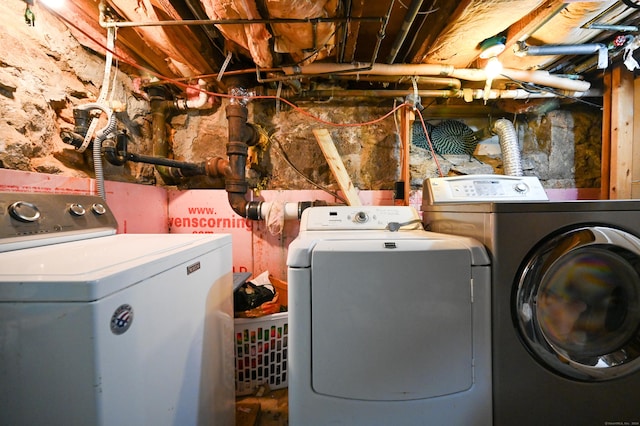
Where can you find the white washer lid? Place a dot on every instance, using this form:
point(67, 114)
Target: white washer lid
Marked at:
point(89, 270)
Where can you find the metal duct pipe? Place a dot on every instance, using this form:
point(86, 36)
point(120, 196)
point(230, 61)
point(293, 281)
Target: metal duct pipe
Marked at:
point(522, 49)
point(508, 138)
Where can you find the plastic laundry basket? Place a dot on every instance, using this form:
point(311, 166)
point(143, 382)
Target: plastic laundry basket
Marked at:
point(261, 352)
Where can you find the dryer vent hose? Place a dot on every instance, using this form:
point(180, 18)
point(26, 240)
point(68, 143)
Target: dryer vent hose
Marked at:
point(509, 146)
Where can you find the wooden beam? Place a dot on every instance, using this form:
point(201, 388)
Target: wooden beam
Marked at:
point(352, 29)
point(525, 27)
point(605, 156)
point(433, 25)
point(337, 166)
point(635, 174)
point(622, 144)
point(406, 125)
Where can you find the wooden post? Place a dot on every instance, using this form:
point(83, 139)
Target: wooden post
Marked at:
point(605, 156)
point(622, 144)
point(337, 166)
point(635, 174)
point(406, 123)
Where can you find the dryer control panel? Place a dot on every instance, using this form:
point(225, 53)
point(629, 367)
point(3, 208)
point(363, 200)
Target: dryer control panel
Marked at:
point(393, 218)
point(482, 188)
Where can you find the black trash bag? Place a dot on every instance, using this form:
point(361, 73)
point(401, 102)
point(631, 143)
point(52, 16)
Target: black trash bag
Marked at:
point(249, 296)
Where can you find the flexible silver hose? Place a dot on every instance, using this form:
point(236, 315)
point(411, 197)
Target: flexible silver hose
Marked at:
point(509, 146)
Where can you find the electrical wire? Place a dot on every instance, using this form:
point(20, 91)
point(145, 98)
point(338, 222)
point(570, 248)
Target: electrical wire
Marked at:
point(185, 86)
point(277, 98)
point(285, 157)
point(534, 88)
point(426, 134)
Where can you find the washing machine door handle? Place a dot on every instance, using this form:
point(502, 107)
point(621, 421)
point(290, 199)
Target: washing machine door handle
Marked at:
point(577, 303)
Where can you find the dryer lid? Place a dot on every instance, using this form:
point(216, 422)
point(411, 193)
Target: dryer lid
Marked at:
point(301, 249)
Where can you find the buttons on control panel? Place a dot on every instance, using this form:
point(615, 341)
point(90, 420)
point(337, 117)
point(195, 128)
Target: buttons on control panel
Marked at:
point(29, 219)
point(99, 209)
point(476, 188)
point(521, 187)
point(360, 217)
point(76, 209)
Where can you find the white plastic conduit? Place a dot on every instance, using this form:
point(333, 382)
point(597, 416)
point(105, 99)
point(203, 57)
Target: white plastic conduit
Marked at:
point(111, 40)
point(196, 103)
point(543, 78)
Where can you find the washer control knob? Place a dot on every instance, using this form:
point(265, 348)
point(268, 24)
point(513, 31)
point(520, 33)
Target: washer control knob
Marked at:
point(76, 209)
point(99, 209)
point(361, 217)
point(24, 212)
point(521, 187)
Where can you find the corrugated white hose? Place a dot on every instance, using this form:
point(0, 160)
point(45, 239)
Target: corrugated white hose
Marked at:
point(101, 135)
point(509, 146)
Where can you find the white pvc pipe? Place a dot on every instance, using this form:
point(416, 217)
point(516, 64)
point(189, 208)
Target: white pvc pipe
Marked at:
point(197, 103)
point(290, 209)
point(472, 74)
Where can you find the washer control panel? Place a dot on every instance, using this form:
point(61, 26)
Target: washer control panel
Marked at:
point(30, 219)
point(483, 188)
point(324, 218)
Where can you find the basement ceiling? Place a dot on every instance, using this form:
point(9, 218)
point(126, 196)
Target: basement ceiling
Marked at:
point(553, 47)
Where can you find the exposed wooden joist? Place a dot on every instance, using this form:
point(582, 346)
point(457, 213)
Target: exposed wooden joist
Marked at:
point(352, 29)
point(185, 59)
point(523, 29)
point(433, 25)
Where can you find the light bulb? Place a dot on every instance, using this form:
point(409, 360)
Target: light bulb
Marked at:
point(493, 68)
point(53, 4)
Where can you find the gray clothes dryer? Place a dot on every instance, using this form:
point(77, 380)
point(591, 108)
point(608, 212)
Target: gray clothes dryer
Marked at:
point(565, 306)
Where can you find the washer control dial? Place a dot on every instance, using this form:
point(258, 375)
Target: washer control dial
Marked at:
point(361, 217)
point(24, 211)
point(99, 209)
point(521, 187)
point(76, 209)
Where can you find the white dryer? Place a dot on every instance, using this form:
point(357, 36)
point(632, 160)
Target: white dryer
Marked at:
point(389, 324)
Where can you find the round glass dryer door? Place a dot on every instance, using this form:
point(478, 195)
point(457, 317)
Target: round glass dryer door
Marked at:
point(578, 303)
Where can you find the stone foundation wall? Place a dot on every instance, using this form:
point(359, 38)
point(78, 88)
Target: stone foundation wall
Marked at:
point(45, 74)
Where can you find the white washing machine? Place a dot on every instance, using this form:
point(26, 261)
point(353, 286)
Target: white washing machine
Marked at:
point(103, 329)
point(565, 298)
point(389, 324)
